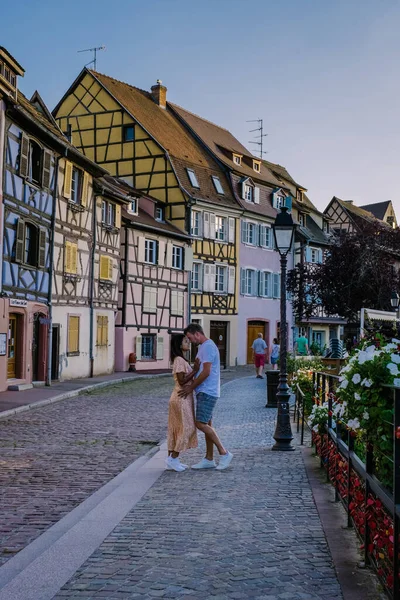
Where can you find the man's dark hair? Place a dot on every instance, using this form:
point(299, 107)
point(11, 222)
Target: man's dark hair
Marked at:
point(176, 343)
point(193, 328)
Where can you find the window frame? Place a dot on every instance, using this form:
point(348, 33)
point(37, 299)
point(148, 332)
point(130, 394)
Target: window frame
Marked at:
point(199, 266)
point(237, 159)
point(248, 192)
point(257, 164)
point(78, 192)
point(150, 248)
point(177, 257)
point(195, 214)
point(126, 128)
point(152, 337)
point(219, 268)
point(217, 184)
point(160, 219)
point(193, 178)
point(253, 227)
point(270, 244)
point(222, 229)
point(130, 209)
point(108, 209)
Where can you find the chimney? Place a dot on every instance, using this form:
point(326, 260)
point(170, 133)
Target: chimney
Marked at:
point(159, 94)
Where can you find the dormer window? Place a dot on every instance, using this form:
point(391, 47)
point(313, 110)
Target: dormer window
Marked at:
point(248, 192)
point(326, 226)
point(160, 214)
point(299, 196)
point(193, 178)
point(133, 206)
point(217, 184)
point(256, 166)
point(301, 219)
point(237, 159)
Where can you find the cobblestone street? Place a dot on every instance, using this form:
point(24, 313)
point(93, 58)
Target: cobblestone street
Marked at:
point(252, 531)
point(52, 458)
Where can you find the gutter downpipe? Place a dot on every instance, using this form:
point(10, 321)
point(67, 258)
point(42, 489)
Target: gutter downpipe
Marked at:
point(50, 301)
point(189, 273)
point(2, 162)
point(91, 295)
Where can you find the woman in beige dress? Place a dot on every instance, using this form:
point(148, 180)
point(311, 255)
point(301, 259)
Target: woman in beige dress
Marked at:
point(182, 433)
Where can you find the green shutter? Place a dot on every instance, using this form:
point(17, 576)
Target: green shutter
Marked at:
point(20, 241)
point(24, 156)
point(46, 169)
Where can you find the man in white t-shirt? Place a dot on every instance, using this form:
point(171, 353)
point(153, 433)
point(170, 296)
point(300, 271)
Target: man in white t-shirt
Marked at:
point(259, 348)
point(207, 387)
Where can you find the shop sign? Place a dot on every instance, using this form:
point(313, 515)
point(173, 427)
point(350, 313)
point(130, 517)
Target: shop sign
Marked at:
point(18, 302)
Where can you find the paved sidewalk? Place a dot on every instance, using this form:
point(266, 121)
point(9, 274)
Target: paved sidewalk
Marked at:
point(252, 531)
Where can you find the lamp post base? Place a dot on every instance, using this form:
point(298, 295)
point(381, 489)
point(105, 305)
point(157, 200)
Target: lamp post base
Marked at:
point(283, 432)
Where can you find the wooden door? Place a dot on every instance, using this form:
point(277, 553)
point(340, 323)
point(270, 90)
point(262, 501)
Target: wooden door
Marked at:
point(218, 333)
point(12, 347)
point(55, 350)
point(253, 329)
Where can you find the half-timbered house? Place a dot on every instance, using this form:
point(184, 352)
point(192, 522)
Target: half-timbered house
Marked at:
point(136, 136)
point(259, 194)
point(86, 269)
point(156, 261)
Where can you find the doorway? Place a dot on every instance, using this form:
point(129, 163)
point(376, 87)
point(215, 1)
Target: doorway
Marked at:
point(253, 329)
point(218, 334)
point(55, 352)
point(12, 347)
point(39, 347)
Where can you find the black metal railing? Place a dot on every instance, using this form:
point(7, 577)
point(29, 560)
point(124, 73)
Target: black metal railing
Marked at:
point(372, 507)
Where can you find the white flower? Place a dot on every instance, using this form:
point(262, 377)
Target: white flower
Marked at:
point(356, 378)
point(357, 396)
point(370, 349)
point(366, 416)
point(396, 382)
point(390, 347)
point(395, 358)
point(364, 356)
point(315, 428)
point(394, 341)
point(367, 382)
point(394, 370)
point(344, 384)
point(353, 424)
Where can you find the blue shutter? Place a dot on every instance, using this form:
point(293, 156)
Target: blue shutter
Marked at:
point(275, 285)
point(254, 283)
point(260, 278)
point(308, 254)
point(242, 281)
point(258, 235)
point(274, 200)
point(288, 203)
point(244, 231)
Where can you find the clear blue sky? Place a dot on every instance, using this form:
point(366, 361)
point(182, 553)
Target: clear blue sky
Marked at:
point(323, 74)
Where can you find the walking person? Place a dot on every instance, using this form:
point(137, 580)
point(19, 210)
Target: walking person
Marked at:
point(259, 348)
point(182, 433)
point(275, 351)
point(301, 345)
point(207, 386)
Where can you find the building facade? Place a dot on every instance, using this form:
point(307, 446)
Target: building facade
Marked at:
point(156, 261)
point(136, 136)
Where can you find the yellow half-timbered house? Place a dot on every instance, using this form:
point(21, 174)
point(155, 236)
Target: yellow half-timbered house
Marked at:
point(137, 137)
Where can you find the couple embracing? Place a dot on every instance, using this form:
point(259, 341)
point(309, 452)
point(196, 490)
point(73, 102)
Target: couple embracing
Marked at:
point(183, 420)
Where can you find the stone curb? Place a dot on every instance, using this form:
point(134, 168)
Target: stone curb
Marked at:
point(72, 393)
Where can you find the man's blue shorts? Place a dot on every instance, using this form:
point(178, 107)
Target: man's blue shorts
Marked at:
point(204, 407)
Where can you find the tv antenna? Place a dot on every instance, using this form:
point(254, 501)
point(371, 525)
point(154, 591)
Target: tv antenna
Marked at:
point(260, 137)
point(94, 59)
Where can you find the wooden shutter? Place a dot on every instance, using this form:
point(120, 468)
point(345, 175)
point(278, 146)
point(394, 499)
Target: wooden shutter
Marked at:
point(288, 203)
point(141, 242)
point(73, 334)
point(188, 258)
point(42, 249)
point(242, 281)
point(206, 225)
point(256, 195)
point(275, 285)
point(244, 232)
point(153, 299)
point(161, 253)
point(308, 254)
point(99, 330)
point(275, 200)
point(212, 234)
point(46, 168)
point(146, 299)
point(138, 347)
point(174, 302)
point(213, 271)
point(231, 280)
point(254, 283)
point(160, 348)
point(104, 267)
point(24, 156)
point(118, 216)
point(168, 261)
point(68, 179)
point(243, 191)
point(206, 282)
point(110, 268)
point(67, 257)
point(260, 291)
point(20, 241)
point(74, 258)
point(181, 299)
point(231, 230)
point(85, 189)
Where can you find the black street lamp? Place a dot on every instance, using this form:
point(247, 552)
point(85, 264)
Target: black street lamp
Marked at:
point(284, 229)
point(395, 300)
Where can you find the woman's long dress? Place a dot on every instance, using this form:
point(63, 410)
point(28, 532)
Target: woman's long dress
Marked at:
point(182, 433)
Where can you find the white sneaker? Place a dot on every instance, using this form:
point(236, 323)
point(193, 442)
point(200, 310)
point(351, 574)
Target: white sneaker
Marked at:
point(205, 464)
point(224, 461)
point(174, 464)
